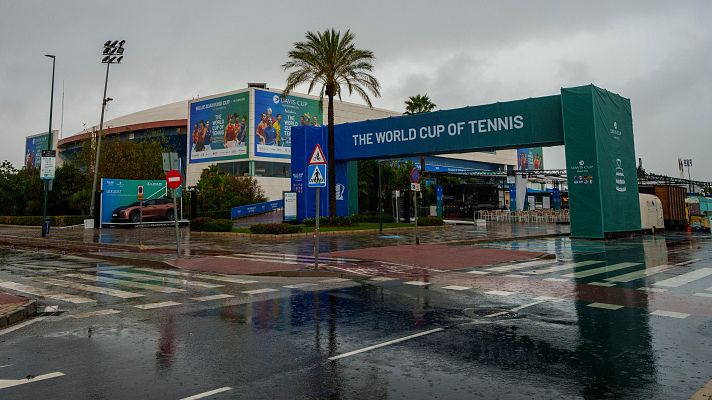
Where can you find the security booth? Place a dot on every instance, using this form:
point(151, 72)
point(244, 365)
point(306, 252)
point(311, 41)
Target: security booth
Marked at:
point(593, 124)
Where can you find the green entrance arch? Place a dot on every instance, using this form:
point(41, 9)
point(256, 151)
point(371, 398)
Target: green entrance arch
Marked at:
point(594, 125)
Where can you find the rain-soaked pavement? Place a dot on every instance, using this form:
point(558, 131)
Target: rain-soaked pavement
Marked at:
point(623, 319)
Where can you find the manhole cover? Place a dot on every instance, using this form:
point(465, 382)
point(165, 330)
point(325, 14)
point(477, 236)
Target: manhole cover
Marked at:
point(490, 313)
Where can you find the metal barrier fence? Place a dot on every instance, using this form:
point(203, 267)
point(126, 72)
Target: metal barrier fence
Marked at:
point(537, 216)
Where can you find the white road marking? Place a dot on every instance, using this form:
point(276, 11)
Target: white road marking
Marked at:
point(555, 280)
point(685, 278)
point(6, 383)
point(703, 294)
point(150, 306)
point(606, 284)
point(652, 289)
point(89, 288)
point(515, 276)
point(478, 272)
point(213, 297)
point(500, 293)
point(299, 285)
point(382, 279)
point(137, 285)
point(683, 263)
point(512, 267)
point(548, 298)
point(672, 314)
point(335, 280)
point(562, 267)
point(527, 305)
point(145, 277)
point(605, 306)
point(310, 257)
point(208, 393)
point(369, 348)
point(631, 276)
point(260, 291)
point(88, 314)
point(45, 293)
point(220, 278)
point(456, 287)
point(20, 325)
point(417, 283)
point(497, 314)
point(600, 270)
point(6, 365)
point(262, 260)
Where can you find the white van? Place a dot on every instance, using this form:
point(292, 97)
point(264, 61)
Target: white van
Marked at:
point(651, 213)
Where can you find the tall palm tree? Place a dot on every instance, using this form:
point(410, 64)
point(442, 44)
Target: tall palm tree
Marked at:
point(331, 61)
point(419, 104)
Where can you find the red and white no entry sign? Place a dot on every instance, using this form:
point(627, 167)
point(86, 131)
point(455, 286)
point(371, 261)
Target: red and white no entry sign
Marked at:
point(173, 179)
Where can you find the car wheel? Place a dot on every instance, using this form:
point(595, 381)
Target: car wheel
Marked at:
point(169, 215)
point(135, 216)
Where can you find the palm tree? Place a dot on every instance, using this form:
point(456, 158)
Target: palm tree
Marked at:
point(331, 61)
point(419, 104)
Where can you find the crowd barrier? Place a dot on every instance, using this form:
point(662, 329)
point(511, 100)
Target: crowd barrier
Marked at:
point(536, 216)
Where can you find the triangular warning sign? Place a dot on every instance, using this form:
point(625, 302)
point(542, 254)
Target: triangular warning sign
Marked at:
point(317, 156)
point(317, 177)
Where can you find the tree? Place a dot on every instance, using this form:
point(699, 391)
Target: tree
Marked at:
point(221, 191)
point(420, 103)
point(126, 159)
point(331, 60)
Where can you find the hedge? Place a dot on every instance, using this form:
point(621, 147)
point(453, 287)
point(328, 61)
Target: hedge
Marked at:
point(372, 217)
point(204, 224)
point(429, 221)
point(330, 221)
point(275, 229)
point(36, 220)
point(221, 214)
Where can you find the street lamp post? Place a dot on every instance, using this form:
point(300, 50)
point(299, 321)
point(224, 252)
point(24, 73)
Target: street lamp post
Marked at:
point(49, 147)
point(113, 54)
point(688, 163)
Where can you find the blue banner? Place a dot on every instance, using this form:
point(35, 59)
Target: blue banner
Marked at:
point(257, 208)
point(120, 196)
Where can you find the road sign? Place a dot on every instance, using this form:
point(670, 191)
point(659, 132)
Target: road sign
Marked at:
point(140, 192)
point(415, 175)
point(415, 187)
point(48, 163)
point(173, 179)
point(170, 161)
point(317, 156)
point(317, 176)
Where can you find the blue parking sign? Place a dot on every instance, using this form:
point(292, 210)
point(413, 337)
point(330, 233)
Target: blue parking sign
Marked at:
point(317, 176)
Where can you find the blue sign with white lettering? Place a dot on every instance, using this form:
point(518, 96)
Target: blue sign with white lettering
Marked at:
point(316, 176)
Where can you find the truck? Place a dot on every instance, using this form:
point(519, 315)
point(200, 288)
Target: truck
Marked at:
point(673, 202)
point(699, 210)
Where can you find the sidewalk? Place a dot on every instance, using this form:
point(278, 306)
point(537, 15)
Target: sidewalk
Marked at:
point(14, 309)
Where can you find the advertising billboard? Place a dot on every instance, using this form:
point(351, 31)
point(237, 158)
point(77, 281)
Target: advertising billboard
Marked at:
point(122, 194)
point(33, 149)
point(218, 128)
point(274, 119)
point(531, 159)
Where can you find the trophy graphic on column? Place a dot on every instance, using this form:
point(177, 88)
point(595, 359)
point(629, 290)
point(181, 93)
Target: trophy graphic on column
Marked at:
point(620, 177)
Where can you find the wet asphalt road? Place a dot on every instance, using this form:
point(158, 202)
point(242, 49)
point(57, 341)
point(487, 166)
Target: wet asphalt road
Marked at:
point(320, 338)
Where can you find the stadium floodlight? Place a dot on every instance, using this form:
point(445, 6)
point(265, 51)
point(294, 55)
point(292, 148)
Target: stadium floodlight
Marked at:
point(113, 54)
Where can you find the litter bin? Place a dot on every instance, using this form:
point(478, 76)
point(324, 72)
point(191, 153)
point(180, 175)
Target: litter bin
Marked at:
point(45, 227)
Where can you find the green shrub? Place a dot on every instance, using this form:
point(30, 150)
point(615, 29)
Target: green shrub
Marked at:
point(429, 221)
point(275, 229)
point(36, 220)
point(221, 214)
point(372, 217)
point(329, 221)
point(204, 224)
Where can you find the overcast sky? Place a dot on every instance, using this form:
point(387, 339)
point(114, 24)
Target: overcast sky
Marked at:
point(657, 53)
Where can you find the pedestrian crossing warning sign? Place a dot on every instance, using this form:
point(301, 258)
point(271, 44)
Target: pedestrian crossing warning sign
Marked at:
point(317, 156)
point(317, 176)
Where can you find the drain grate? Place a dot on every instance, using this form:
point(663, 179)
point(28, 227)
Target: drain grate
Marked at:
point(490, 313)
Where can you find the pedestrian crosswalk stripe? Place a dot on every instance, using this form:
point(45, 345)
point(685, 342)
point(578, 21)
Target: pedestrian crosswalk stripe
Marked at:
point(652, 289)
point(605, 305)
point(162, 304)
point(382, 279)
point(605, 284)
point(260, 291)
point(299, 285)
point(108, 311)
point(145, 277)
point(703, 294)
point(89, 288)
point(70, 298)
point(500, 293)
point(556, 279)
point(512, 267)
point(417, 283)
point(121, 282)
point(8, 383)
point(213, 297)
point(600, 270)
point(335, 280)
point(456, 287)
point(631, 276)
point(562, 267)
point(682, 264)
point(515, 276)
point(219, 278)
point(478, 272)
point(672, 314)
point(685, 278)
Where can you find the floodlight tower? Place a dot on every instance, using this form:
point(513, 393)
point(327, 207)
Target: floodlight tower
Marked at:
point(113, 54)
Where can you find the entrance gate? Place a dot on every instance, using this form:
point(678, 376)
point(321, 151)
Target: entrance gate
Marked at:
point(594, 125)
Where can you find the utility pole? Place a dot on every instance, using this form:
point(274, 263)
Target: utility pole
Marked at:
point(46, 182)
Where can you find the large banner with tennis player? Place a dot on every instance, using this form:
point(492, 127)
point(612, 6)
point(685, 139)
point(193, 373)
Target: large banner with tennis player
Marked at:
point(218, 128)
